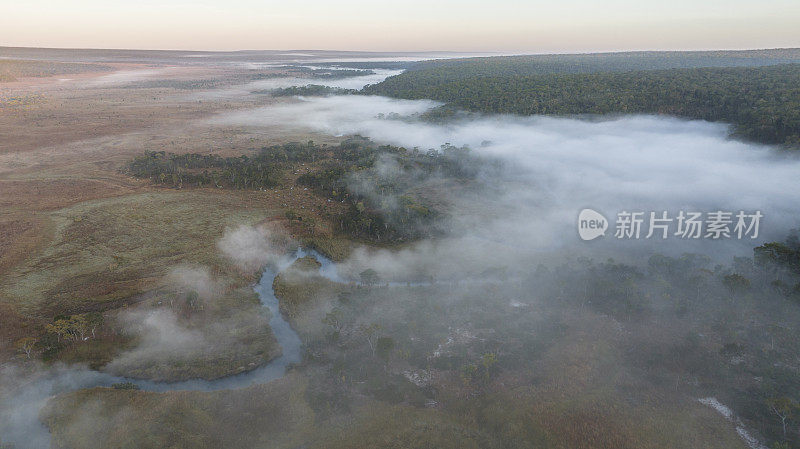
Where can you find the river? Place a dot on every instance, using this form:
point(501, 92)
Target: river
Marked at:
point(21, 426)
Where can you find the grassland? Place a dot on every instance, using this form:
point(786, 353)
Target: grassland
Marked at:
point(231, 335)
point(271, 415)
point(78, 235)
point(105, 251)
point(13, 69)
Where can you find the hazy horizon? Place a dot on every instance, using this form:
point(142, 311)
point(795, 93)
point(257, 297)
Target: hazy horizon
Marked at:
point(407, 53)
point(508, 27)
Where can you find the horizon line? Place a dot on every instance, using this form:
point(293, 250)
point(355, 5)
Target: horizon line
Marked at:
point(406, 52)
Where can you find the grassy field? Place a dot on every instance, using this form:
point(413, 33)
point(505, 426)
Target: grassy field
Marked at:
point(12, 69)
point(230, 332)
point(78, 235)
point(109, 250)
point(301, 289)
point(272, 415)
point(114, 253)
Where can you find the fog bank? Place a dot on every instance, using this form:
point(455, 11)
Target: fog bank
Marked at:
point(554, 167)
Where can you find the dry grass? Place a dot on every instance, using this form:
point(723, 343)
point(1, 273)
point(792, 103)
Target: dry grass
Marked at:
point(112, 249)
point(11, 69)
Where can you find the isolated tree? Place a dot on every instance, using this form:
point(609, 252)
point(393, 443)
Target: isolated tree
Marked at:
point(384, 347)
point(784, 408)
point(370, 333)
point(192, 300)
point(79, 327)
point(26, 345)
point(777, 258)
point(736, 283)
point(369, 277)
point(59, 327)
point(94, 320)
point(477, 376)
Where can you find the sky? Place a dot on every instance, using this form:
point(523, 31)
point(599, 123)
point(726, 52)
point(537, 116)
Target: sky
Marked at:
point(512, 26)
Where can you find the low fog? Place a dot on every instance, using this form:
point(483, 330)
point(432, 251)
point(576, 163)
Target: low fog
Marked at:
point(123, 77)
point(554, 167)
point(282, 82)
point(250, 248)
point(354, 82)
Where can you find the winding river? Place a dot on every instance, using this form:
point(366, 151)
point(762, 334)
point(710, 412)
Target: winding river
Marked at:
point(23, 427)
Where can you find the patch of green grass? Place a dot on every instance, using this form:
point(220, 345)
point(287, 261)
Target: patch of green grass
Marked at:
point(95, 352)
point(379, 425)
point(233, 332)
point(335, 248)
point(106, 251)
point(300, 287)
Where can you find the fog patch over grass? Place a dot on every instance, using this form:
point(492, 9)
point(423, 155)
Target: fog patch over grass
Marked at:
point(196, 328)
point(197, 279)
point(162, 339)
point(24, 391)
point(250, 248)
point(122, 77)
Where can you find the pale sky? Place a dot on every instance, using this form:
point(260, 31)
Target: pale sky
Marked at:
point(405, 25)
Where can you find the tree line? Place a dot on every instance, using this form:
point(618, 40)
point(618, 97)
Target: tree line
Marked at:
point(309, 90)
point(763, 103)
point(184, 170)
point(259, 171)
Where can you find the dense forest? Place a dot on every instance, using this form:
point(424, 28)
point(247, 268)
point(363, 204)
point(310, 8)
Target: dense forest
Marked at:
point(763, 103)
point(600, 62)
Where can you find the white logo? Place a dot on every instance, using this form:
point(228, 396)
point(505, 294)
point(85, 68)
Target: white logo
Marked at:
point(591, 224)
point(634, 225)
